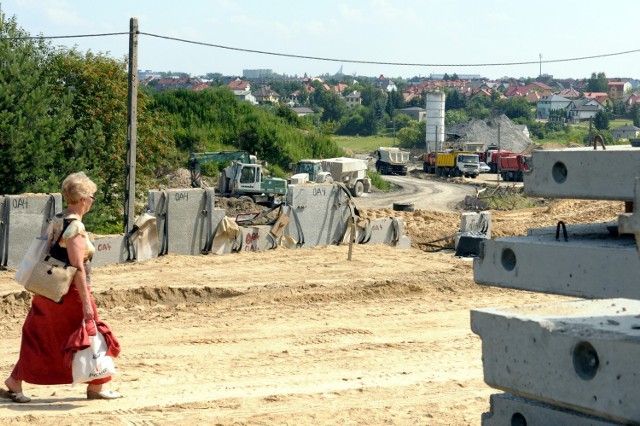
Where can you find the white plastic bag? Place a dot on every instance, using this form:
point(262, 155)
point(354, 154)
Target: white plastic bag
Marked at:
point(93, 363)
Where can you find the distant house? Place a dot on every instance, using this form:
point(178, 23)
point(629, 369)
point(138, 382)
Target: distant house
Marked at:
point(238, 84)
point(616, 89)
point(601, 97)
point(416, 113)
point(265, 95)
point(583, 109)
point(538, 85)
point(339, 88)
point(246, 96)
point(385, 84)
point(551, 103)
point(625, 132)
point(631, 99)
point(353, 99)
point(569, 93)
point(302, 111)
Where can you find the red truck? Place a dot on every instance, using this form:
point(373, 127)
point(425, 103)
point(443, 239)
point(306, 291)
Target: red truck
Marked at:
point(493, 158)
point(429, 162)
point(512, 167)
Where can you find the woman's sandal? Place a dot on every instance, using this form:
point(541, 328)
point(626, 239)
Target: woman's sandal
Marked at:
point(105, 394)
point(14, 396)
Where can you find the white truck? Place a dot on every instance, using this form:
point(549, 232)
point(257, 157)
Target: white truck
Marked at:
point(391, 161)
point(351, 172)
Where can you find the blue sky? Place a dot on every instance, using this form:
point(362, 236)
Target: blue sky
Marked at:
point(429, 32)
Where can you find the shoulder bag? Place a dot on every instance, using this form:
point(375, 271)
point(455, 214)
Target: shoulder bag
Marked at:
point(49, 276)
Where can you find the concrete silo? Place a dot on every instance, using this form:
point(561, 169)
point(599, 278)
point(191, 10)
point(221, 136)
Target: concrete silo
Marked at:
point(435, 120)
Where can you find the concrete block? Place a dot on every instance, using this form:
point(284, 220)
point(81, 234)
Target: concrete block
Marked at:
point(602, 228)
point(467, 244)
point(404, 243)
point(384, 230)
point(587, 265)
point(581, 355)
point(257, 238)
point(109, 249)
point(318, 214)
point(185, 219)
point(508, 409)
point(25, 217)
point(584, 173)
point(479, 223)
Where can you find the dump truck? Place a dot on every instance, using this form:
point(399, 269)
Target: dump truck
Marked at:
point(512, 167)
point(492, 158)
point(244, 177)
point(391, 161)
point(429, 162)
point(457, 163)
point(351, 172)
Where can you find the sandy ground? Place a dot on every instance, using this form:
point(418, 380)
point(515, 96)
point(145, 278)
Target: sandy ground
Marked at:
point(292, 337)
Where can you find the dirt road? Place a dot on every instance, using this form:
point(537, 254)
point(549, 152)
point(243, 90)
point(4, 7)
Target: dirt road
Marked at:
point(291, 337)
point(433, 195)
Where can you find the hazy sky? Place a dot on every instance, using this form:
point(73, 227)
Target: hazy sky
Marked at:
point(425, 33)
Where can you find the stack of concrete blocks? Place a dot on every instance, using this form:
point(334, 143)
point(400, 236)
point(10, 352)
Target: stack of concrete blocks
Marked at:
point(572, 362)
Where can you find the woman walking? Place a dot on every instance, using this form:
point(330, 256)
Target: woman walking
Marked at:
point(49, 325)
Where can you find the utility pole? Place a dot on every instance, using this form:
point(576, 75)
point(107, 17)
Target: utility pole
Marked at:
point(498, 162)
point(540, 55)
point(132, 118)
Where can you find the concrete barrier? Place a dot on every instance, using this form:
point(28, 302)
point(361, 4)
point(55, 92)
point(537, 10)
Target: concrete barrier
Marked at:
point(579, 355)
point(508, 409)
point(24, 218)
point(187, 222)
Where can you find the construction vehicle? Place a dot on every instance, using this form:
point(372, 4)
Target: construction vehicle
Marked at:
point(492, 158)
point(244, 177)
point(391, 161)
point(457, 163)
point(314, 171)
point(512, 167)
point(351, 172)
point(429, 162)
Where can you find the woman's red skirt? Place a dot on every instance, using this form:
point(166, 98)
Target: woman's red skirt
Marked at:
point(45, 333)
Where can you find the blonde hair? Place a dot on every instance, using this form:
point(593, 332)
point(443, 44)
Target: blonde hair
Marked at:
point(77, 186)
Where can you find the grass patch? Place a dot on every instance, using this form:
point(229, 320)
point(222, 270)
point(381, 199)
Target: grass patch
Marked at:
point(377, 181)
point(362, 144)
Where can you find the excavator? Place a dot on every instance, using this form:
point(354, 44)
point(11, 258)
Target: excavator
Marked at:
point(244, 177)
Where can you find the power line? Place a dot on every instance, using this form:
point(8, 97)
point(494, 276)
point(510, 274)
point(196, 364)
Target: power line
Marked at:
point(319, 58)
point(63, 36)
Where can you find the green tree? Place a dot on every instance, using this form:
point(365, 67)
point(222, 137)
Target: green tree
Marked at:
point(479, 107)
point(597, 83)
point(454, 100)
point(601, 121)
point(33, 116)
point(454, 117)
point(333, 105)
point(410, 136)
point(518, 106)
point(635, 114)
point(96, 139)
